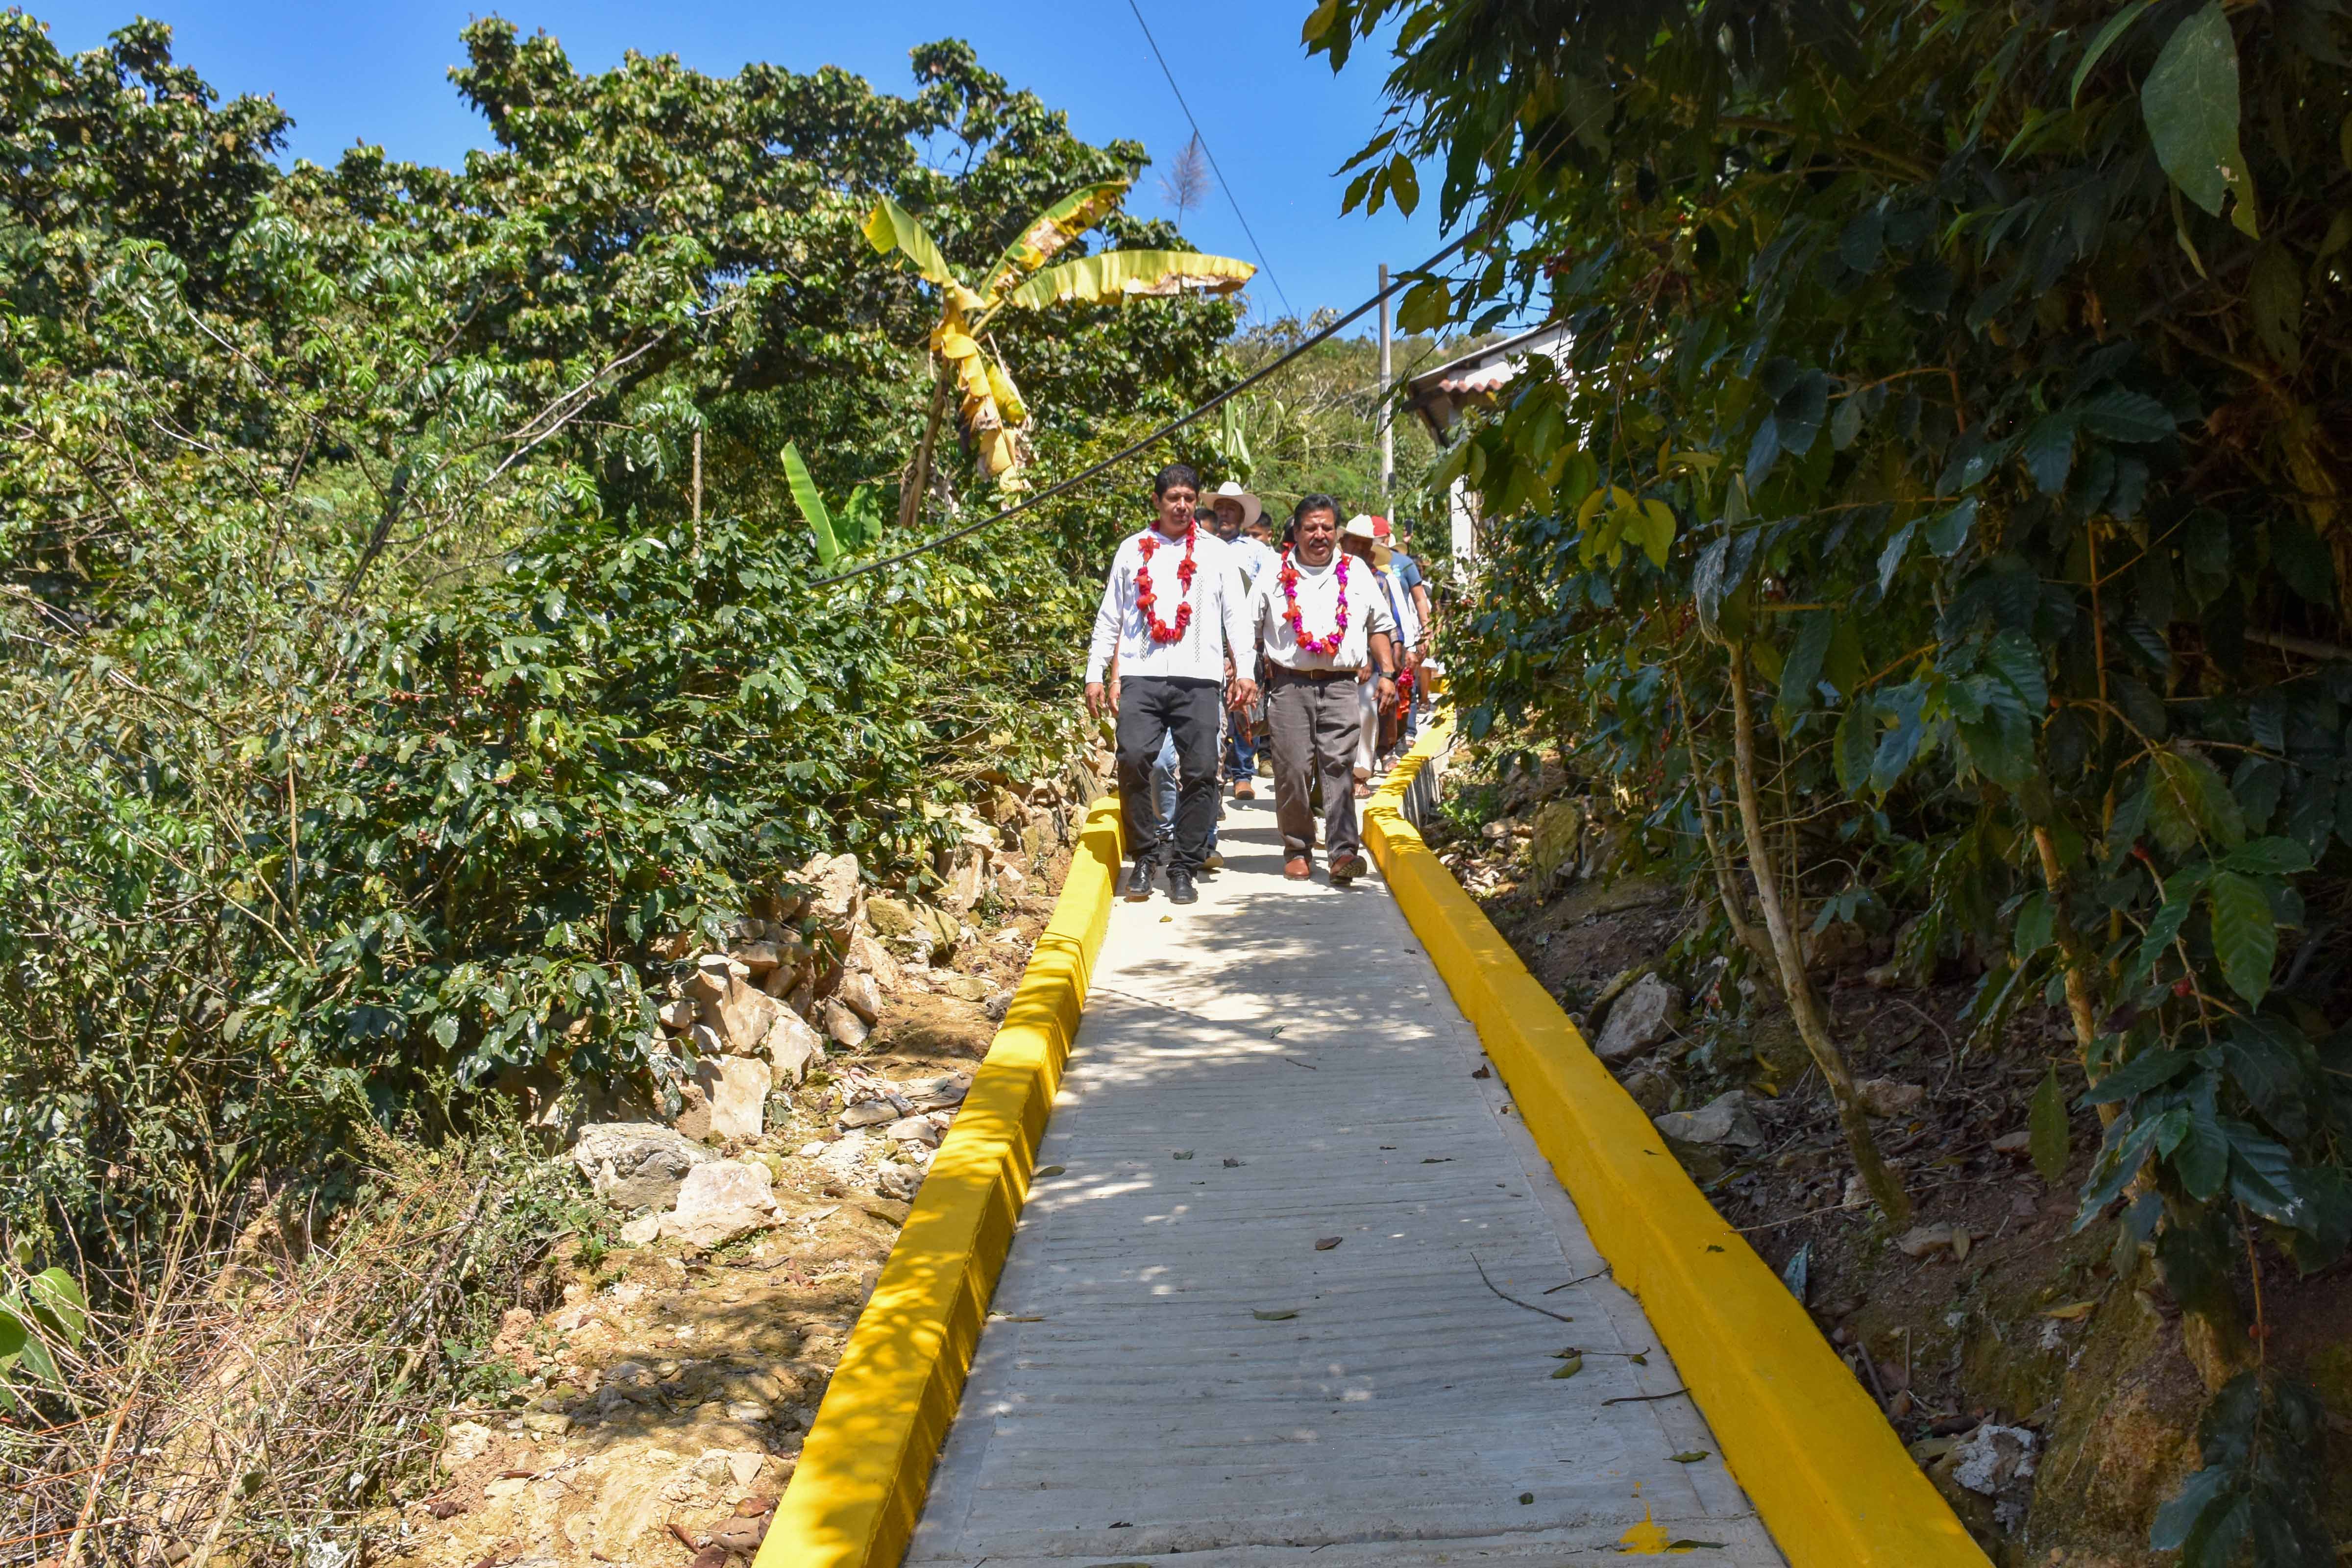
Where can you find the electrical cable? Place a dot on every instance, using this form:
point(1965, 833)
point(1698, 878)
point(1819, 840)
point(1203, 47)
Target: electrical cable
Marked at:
point(1231, 200)
point(1124, 453)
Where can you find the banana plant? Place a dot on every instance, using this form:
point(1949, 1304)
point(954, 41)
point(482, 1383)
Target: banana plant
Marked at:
point(46, 1309)
point(990, 405)
point(858, 524)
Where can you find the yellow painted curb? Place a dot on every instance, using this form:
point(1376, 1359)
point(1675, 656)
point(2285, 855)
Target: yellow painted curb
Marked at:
point(867, 1464)
point(1823, 1468)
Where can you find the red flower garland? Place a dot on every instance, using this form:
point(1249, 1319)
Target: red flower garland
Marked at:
point(1322, 644)
point(1161, 632)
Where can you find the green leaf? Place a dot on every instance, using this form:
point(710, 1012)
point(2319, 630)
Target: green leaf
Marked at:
point(13, 1334)
point(1857, 742)
point(1318, 21)
point(2190, 103)
point(1424, 306)
point(2119, 413)
point(2118, 25)
point(2269, 857)
point(2245, 937)
point(1404, 184)
point(56, 1300)
point(2048, 451)
point(2274, 289)
point(813, 507)
point(1569, 1366)
point(2046, 1128)
point(2302, 561)
point(2149, 1069)
point(891, 227)
point(2035, 920)
point(1804, 667)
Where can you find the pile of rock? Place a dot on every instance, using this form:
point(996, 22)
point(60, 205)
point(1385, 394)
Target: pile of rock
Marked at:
point(889, 1131)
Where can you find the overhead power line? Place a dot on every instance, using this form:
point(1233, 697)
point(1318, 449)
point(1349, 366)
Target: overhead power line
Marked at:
point(1124, 453)
point(1223, 183)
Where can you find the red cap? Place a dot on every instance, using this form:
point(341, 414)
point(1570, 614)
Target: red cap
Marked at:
point(1381, 527)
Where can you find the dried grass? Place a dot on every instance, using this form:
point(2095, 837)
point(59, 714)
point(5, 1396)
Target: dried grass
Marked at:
point(263, 1401)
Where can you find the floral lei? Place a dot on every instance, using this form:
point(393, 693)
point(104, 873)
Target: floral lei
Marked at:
point(1162, 631)
point(1322, 644)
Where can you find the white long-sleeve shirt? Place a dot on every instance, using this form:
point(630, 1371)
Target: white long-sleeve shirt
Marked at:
point(1220, 612)
point(1318, 607)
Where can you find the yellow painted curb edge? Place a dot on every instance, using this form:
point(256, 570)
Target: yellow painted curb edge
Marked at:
point(1823, 1468)
point(867, 1464)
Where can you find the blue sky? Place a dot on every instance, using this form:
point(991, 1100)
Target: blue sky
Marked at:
point(1279, 122)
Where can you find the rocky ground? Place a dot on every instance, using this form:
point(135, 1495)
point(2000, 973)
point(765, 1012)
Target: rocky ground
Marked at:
point(657, 1405)
point(2039, 1380)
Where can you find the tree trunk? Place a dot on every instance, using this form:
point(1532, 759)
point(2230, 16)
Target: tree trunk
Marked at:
point(1780, 922)
point(919, 479)
point(2074, 958)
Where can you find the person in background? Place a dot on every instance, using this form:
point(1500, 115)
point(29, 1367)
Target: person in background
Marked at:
point(1173, 615)
point(1237, 513)
point(1414, 617)
point(1319, 633)
point(1361, 539)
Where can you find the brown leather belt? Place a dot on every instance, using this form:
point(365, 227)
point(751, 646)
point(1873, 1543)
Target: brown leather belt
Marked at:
point(1281, 672)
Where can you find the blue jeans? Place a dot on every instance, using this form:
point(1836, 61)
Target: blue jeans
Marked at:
point(1241, 755)
point(1163, 791)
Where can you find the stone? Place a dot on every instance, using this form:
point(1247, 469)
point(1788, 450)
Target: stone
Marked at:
point(679, 1014)
point(1990, 1458)
point(858, 993)
point(938, 1093)
point(792, 1047)
point(642, 1231)
point(1842, 944)
point(1926, 1240)
point(943, 929)
point(846, 1156)
point(914, 1129)
point(966, 880)
point(868, 956)
point(693, 1119)
point(706, 1041)
point(737, 1090)
point(759, 957)
point(742, 1014)
point(970, 987)
point(726, 1184)
point(1653, 1091)
point(712, 973)
point(841, 1025)
point(900, 1182)
point(890, 917)
point(2017, 1145)
point(1649, 1012)
point(868, 1113)
point(1011, 883)
point(636, 1164)
point(674, 947)
point(714, 1227)
point(1726, 1119)
point(1558, 837)
point(1885, 1097)
point(997, 1004)
point(835, 897)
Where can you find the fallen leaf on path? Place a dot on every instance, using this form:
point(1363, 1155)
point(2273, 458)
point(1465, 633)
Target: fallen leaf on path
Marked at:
point(1571, 1366)
point(1684, 1543)
point(1689, 1457)
point(1440, 1160)
point(1280, 1315)
point(1232, 1164)
point(1326, 1243)
point(752, 1507)
point(1275, 1033)
point(1639, 1359)
point(1051, 1170)
point(1184, 1154)
point(1526, 1497)
point(1483, 1072)
point(1017, 1317)
point(2071, 1312)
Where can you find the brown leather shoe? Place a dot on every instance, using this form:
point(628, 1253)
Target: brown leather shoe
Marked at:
point(1298, 868)
point(1244, 790)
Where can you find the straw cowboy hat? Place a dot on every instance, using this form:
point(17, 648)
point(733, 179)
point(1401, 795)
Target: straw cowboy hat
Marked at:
point(1361, 526)
point(1251, 508)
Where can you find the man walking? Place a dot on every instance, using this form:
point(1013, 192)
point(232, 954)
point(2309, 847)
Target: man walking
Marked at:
point(1240, 522)
point(1173, 614)
point(1320, 621)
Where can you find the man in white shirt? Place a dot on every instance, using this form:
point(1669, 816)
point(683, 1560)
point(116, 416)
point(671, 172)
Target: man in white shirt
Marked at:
point(1321, 620)
point(1174, 614)
point(1240, 524)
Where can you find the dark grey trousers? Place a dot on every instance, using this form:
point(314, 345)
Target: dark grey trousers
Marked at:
point(1316, 725)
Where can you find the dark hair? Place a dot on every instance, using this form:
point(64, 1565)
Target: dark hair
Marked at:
point(1175, 474)
point(1318, 501)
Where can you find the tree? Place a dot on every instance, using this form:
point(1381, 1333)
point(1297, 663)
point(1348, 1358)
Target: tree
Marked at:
point(990, 406)
point(1980, 361)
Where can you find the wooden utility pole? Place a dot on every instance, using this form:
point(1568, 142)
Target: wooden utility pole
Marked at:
point(1388, 428)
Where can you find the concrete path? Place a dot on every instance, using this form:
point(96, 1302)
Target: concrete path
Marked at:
point(1273, 1066)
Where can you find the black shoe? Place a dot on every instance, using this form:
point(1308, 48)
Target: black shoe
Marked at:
point(1139, 883)
point(1180, 886)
